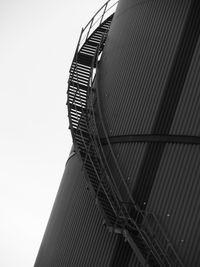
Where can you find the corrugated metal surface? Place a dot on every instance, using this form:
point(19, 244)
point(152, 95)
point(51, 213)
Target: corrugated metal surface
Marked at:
point(149, 75)
point(179, 70)
point(134, 262)
point(187, 117)
point(169, 101)
point(136, 62)
point(75, 235)
point(129, 157)
point(175, 196)
point(175, 200)
point(122, 253)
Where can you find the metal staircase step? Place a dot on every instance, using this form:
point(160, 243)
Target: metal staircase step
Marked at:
point(100, 33)
point(77, 115)
point(92, 173)
point(84, 59)
point(77, 65)
point(79, 77)
point(96, 38)
point(80, 66)
point(82, 138)
point(92, 44)
point(75, 71)
point(81, 142)
point(97, 34)
point(77, 127)
point(77, 93)
point(74, 97)
point(80, 82)
point(82, 128)
point(78, 90)
point(92, 170)
point(94, 161)
point(74, 84)
point(82, 146)
point(78, 132)
point(77, 97)
point(88, 52)
point(77, 108)
point(101, 29)
point(105, 27)
point(88, 49)
point(78, 102)
point(105, 205)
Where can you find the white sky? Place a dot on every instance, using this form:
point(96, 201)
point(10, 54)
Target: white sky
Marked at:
point(37, 43)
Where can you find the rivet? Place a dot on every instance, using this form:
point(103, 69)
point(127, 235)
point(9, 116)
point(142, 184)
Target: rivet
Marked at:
point(168, 215)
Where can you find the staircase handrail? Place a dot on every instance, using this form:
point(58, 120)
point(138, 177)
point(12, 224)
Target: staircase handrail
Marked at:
point(100, 151)
point(93, 113)
point(107, 9)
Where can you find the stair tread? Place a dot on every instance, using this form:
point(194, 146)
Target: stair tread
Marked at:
point(73, 84)
point(84, 59)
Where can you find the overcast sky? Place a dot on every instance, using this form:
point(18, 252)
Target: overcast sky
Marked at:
point(37, 43)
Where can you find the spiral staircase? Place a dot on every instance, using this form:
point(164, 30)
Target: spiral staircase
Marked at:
point(121, 214)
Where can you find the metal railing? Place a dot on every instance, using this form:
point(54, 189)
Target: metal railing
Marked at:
point(102, 14)
point(81, 108)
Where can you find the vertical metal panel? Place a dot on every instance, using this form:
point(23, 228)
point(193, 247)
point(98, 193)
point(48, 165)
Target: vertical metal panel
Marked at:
point(175, 200)
point(122, 253)
point(75, 235)
point(134, 262)
point(136, 61)
point(187, 117)
point(132, 76)
point(61, 206)
point(129, 157)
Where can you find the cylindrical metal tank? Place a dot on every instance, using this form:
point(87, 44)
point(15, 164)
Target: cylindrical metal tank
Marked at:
point(148, 91)
point(76, 234)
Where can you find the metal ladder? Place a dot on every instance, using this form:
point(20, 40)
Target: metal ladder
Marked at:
point(120, 213)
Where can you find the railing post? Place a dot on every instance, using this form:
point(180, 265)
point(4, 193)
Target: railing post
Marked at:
point(106, 4)
point(88, 33)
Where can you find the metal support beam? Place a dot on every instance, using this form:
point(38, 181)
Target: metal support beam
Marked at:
point(152, 138)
